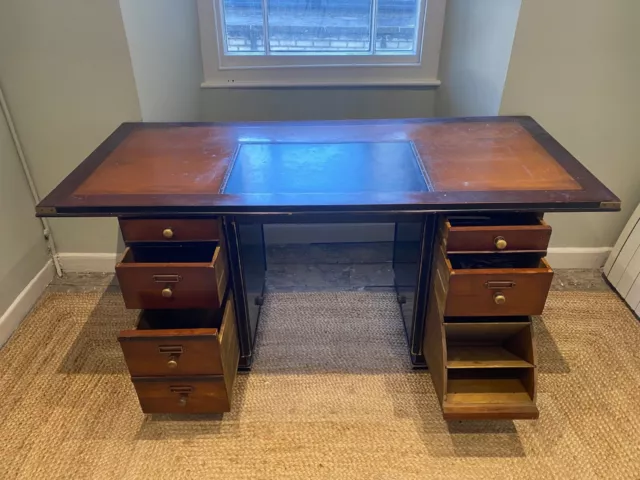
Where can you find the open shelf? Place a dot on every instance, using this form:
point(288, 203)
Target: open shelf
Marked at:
point(490, 394)
point(486, 390)
point(494, 319)
point(489, 345)
point(481, 356)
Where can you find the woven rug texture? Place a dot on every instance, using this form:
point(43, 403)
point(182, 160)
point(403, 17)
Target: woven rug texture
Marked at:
point(331, 395)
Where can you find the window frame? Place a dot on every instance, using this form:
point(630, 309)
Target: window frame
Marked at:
point(294, 70)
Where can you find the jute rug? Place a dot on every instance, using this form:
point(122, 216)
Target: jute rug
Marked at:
point(331, 396)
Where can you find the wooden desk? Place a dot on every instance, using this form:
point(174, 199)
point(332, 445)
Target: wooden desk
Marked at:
point(467, 197)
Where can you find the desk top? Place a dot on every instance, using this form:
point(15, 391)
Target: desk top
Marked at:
point(358, 166)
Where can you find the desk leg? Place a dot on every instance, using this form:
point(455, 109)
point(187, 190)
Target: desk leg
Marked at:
point(428, 239)
point(247, 262)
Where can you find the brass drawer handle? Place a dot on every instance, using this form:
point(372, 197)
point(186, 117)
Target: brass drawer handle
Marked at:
point(184, 392)
point(184, 389)
point(174, 352)
point(167, 233)
point(499, 285)
point(167, 292)
point(171, 349)
point(499, 298)
point(167, 278)
point(173, 361)
point(500, 243)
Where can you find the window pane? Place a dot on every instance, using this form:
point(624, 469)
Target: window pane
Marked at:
point(320, 26)
point(397, 26)
point(243, 27)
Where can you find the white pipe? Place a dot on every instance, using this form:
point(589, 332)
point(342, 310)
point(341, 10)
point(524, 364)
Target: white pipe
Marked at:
point(34, 192)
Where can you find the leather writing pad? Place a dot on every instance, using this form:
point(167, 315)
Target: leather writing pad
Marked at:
point(299, 168)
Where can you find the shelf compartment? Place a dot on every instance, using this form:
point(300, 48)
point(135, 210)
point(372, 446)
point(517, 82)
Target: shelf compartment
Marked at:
point(489, 345)
point(494, 319)
point(486, 394)
point(475, 356)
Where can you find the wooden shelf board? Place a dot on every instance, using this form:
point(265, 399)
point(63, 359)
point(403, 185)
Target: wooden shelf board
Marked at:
point(483, 356)
point(524, 411)
point(488, 399)
point(487, 391)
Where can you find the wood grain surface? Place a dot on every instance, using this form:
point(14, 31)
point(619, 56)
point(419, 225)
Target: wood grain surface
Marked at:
point(470, 163)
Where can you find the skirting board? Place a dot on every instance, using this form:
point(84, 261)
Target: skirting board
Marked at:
point(569, 257)
point(22, 305)
point(558, 257)
point(88, 262)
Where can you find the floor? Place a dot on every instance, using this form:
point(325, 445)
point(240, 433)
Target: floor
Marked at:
point(323, 267)
point(331, 395)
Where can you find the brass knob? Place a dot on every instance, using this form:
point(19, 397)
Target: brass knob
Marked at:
point(173, 361)
point(500, 243)
point(167, 292)
point(499, 298)
point(167, 233)
point(182, 401)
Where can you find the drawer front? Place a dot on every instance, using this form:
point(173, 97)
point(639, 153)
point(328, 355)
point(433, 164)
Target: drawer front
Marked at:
point(207, 394)
point(172, 352)
point(508, 238)
point(167, 285)
point(503, 292)
point(169, 230)
point(198, 351)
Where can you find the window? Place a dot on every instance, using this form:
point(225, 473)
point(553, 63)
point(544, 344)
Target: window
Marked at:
point(320, 42)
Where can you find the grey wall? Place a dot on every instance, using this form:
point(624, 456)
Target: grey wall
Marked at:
point(66, 73)
point(23, 250)
point(315, 103)
point(165, 53)
point(575, 67)
point(476, 46)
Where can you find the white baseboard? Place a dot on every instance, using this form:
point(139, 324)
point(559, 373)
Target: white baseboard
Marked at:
point(88, 262)
point(558, 257)
point(570, 257)
point(21, 306)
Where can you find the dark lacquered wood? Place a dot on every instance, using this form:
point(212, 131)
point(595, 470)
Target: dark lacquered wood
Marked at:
point(202, 394)
point(195, 283)
point(181, 351)
point(524, 236)
point(435, 349)
point(472, 292)
point(472, 163)
point(182, 229)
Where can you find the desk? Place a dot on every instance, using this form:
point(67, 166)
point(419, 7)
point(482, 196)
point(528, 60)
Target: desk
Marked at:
point(467, 197)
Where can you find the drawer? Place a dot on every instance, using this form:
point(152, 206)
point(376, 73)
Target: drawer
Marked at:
point(179, 276)
point(175, 342)
point(496, 233)
point(203, 394)
point(170, 229)
point(494, 284)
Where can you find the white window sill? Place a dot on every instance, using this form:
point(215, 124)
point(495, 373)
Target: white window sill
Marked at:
point(388, 83)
